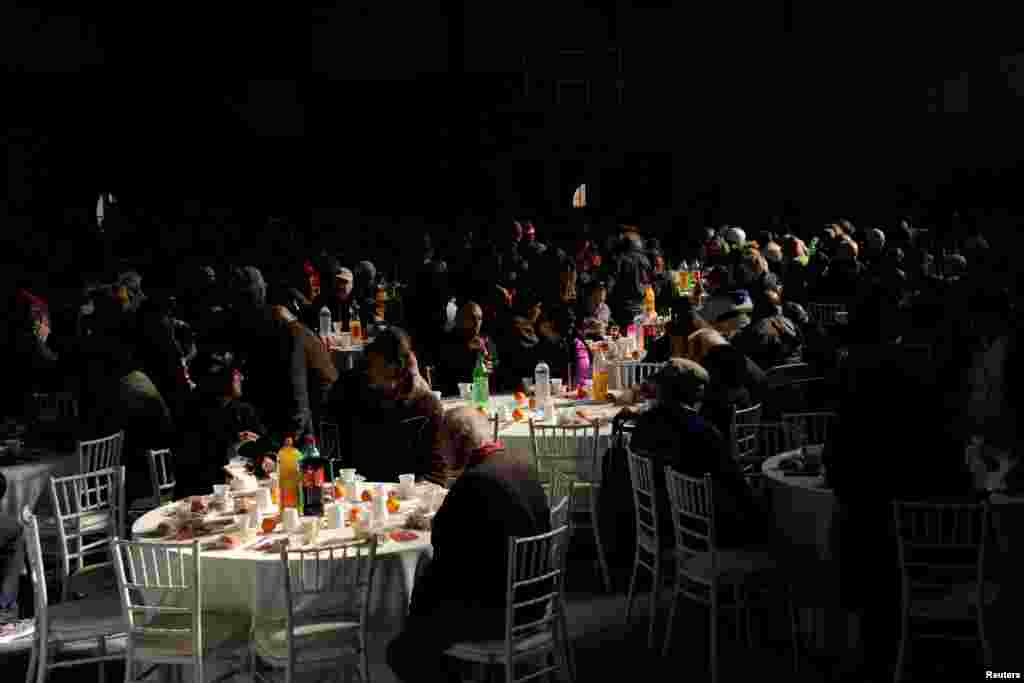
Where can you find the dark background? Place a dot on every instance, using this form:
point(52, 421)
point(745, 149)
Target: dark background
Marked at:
point(377, 117)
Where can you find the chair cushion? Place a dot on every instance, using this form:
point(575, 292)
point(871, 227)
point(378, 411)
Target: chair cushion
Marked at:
point(91, 617)
point(733, 565)
point(320, 641)
point(494, 650)
point(220, 631)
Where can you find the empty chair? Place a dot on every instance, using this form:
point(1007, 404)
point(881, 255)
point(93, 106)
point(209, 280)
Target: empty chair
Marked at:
point(535, 616)
point(745, 444)
point(649, 552)
point(807, 429)
point(89, 511)
point(330, 445)
point(942, 566)
point(717, 578)
point(161, 596)
point(96, 623)
point(99, 454)
point(328, 594)
point(572, 451)
point(162, 479)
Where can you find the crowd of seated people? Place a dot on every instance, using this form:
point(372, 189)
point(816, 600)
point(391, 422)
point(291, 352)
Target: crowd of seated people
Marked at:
point(224, 358)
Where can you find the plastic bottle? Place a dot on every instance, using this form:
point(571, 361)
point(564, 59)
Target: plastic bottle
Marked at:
point(638, 331)
point(600, 376)
point(312, 471)
point(582, 368)
point(481, 390)
point(288, 467)
point(542, 383)
point(649, 303)
point(325, 322)
point(380, 506)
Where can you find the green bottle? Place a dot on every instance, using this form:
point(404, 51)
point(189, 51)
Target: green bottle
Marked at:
point(481, 391)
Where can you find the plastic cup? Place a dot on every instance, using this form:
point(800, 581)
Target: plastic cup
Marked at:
point(310, 530)
point(290, 518)
point(406, 485)
point(465, 390)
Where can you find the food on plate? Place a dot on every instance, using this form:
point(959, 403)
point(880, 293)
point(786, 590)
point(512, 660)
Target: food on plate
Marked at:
point(518, 415)
point(403, 536)
point(581, 392)
point(198, 504)
point(269, 524)
point(229, 542)
point(583, 415)
point(393, 504)
point(165, 529)
point(184, 534)
point(520, 397)
point(353, 515)
point(366, 497)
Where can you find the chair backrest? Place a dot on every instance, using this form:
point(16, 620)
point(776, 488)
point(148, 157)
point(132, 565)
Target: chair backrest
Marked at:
point(536, 572)
point(334, 581)
point(745, 443)
point(162, 474)
point(645, 499)
point(89, 511)
point(559, 486)
point(808, 429)
point(171, 571)
point(560, 512)
point(37, 572)
point(330, 440)
point(632, 373)
point(781, 374)
point(940, 545)
point(99, 454)
point(563, 447)
point(693, 517)
point(825, 313)
point(56, 406)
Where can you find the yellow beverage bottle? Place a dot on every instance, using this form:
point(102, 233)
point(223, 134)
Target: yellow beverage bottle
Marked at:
point(649, 305)
point(600, 377)
point(288, 469)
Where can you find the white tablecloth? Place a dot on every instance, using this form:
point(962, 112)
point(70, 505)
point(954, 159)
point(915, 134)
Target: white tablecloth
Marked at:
point(28, 480)
point(251, 582)
point(516, 435)
point(803, 506)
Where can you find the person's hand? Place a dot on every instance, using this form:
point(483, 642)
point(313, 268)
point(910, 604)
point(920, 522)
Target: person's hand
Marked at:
point(247, 437)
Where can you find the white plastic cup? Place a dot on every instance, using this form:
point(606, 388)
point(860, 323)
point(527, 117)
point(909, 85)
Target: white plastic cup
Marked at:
point(263, 500)
point(310, 530)
point(345, 340)
point(406, 485)
point(437, 395)
point(465, 391)
point(556, 386)
point(290, 519)
point(336, 514)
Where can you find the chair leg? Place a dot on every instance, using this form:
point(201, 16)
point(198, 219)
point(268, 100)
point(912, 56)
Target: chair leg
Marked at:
point(655, 588)
point(986, 648)
point(671, 618)
point(794, 626)
point(631, 593)
point(713, 634)
point(101, 673)
point(595, 522)
point(32, 661)
point(43, 663)
point(901, 655)
point(570, 652)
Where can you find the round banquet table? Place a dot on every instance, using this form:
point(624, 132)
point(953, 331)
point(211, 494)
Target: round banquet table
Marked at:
point(250, 582)
point(28, 478)
point(516, 435)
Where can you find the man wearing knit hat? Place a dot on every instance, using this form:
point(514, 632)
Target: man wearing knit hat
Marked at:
point(729, 312)
point(336, 294)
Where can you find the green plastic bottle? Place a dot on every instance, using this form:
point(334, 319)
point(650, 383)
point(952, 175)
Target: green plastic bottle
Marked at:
point(481, 390)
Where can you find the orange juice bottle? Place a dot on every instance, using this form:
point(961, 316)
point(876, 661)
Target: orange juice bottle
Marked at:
point(600, 377)
point(288, 463)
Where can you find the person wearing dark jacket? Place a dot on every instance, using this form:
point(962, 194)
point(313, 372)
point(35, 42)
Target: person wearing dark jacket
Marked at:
point(34, 365)
point(630, 276)
point(518, 349)
point(462, 594)
point(373, 405)
point(731, 385)
point(220, 420)
point(365, 292)
point(272, 358)
point(772, 338)
point(461, 352)
point(678, 436)
point(336, 294)
point(321, 374)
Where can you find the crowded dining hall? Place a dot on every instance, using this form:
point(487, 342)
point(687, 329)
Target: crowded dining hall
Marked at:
point(258, 469)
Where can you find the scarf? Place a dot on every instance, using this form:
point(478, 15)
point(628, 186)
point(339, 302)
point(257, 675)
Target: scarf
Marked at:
point(484, 452)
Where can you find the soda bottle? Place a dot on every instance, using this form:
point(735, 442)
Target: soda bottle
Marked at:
point(356, 328)
point(288, 470)
point(481, 390)
point(311, 467)
point(600, 380)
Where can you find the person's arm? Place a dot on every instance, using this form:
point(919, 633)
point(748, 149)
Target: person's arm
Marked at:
point(319, 360)
point(299, 416)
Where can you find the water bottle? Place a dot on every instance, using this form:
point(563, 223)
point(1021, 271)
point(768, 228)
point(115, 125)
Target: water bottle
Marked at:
point(542, 383)
point(325, 322)
point(379, 509)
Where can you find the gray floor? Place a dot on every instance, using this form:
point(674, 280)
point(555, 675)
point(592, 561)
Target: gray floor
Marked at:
point(608, 649)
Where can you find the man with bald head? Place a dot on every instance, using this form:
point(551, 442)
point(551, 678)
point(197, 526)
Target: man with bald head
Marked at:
point(463, 348)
